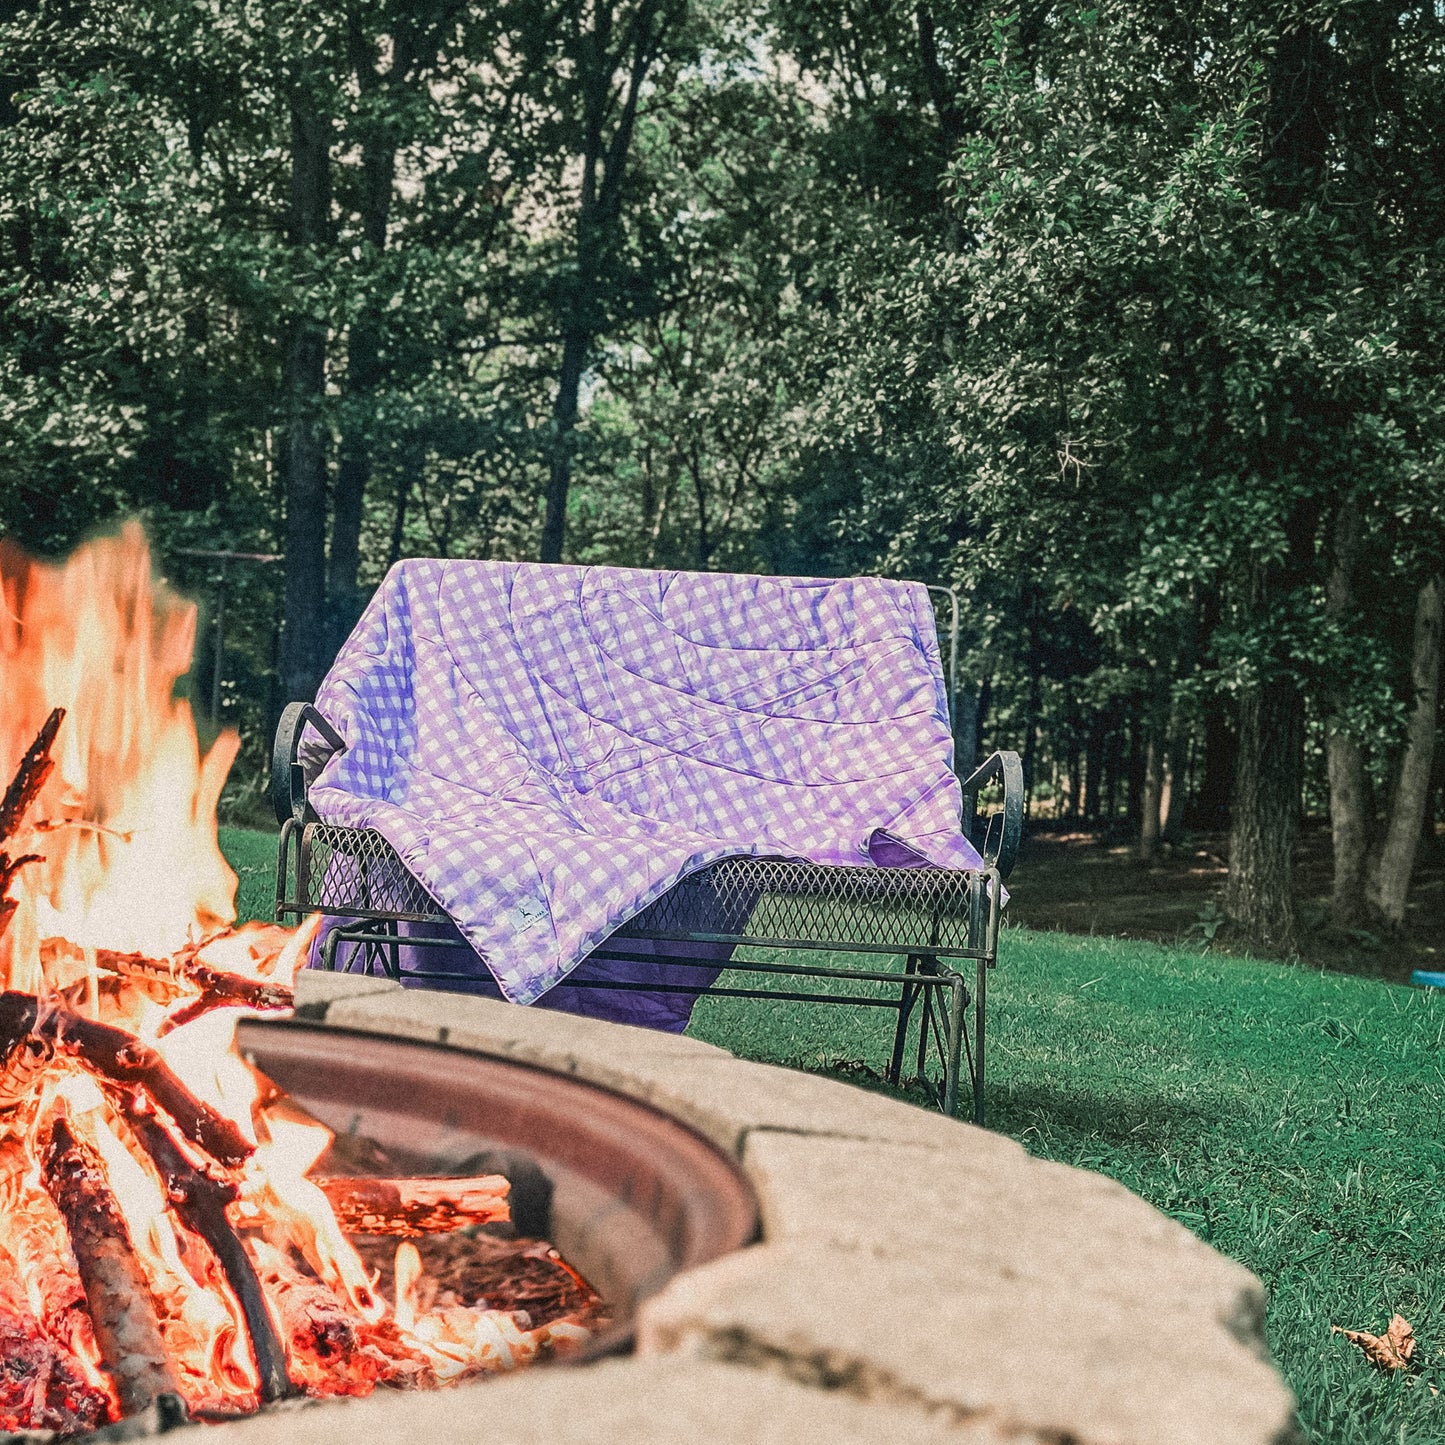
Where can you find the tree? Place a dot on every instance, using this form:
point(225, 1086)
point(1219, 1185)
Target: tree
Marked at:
point(611, 52)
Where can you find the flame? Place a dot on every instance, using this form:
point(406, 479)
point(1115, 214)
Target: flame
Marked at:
point(126, 824)
point(128, 889)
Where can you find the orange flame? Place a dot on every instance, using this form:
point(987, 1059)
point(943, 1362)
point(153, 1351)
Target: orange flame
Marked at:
point(129, 865)
point(126, 824)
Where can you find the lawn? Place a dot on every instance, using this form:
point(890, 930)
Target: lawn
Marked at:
point(1292, 1118)
point(253, 856)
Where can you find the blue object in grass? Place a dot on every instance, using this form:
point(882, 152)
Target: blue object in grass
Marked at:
point(1428, 980)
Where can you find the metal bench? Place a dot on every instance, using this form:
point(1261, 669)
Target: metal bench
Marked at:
point(935, 919)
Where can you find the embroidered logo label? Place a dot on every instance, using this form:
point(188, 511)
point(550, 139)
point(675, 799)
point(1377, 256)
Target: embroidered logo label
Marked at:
point(527, 915)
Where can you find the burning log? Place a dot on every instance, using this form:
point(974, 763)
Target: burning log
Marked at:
point(228, 990)
point(116, 1290)
point(40, 1387)
point(182, 972)
point(332, 1350)
point(24, 788)
point(411, 1207)
point(119, 1057)
point(200, 1201)
point(35, 767)
point(9, 867)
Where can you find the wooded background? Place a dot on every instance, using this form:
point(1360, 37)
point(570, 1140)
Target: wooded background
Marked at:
point(1125, 320)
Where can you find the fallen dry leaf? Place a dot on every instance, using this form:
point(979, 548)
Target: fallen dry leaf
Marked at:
point(1390, 1351)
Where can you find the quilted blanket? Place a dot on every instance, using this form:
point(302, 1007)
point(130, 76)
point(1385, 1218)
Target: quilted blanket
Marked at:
point(549, 748)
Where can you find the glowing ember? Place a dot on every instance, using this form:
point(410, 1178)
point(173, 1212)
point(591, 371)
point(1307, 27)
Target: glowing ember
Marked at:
point(159, 1233)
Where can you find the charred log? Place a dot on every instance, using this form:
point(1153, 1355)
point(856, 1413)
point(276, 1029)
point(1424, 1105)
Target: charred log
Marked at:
point(35, 767)
point(228, 990)
point(116, 1289)
point(200, 1201)
point(43, 1382)
point(118, 1057)
point(332, 1350)
point(412, 1207)
point(24, 788)
point(499, 1274)
point(182, 974)
point(40, 1386)
point(9, 867)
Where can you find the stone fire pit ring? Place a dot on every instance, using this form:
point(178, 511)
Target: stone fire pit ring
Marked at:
point(917, 1278)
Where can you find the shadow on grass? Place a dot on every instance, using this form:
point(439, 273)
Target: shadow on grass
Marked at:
point(1036, 1110)
point(1133, 1120)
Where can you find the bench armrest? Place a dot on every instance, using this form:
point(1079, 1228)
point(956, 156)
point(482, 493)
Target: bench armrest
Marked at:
point(1006, 828)
point(288, 777)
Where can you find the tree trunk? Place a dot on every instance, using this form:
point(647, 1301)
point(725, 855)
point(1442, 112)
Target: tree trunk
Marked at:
point(1389, 883)
point(704, 535)
point(965, 732)
point(1349, 821)
point(1113, 745)
point(564, 423)
point(363, 375)
point(1174, 789)
point(985, 703)
point(1429, 837)
point(398, 521)
point(1259, 897)
point(363, 371)
point(304, 605)
point(1031, 738)
point(1093, 770)
point(603, 169)
point(352, 474)
point(1151, 797)
point(1134, 797)
point(1221, 747)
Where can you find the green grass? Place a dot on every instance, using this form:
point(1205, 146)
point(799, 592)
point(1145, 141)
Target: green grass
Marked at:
point(1292, 1119)
point(253, 856)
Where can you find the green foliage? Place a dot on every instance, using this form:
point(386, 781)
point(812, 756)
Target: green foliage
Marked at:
point(1100, 314)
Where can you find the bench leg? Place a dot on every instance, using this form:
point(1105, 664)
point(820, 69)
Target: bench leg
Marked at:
point(283, 868)
point(957, 1002)
point(906, 1001)
point(929, 1021)
point(980, 988)
point(328, 951)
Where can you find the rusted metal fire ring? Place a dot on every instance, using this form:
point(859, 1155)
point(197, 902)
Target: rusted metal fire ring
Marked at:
point(636, 1196)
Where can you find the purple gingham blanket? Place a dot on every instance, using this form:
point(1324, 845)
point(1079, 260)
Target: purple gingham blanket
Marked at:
point(549, 748)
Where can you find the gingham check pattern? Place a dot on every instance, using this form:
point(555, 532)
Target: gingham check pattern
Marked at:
point(550, 748)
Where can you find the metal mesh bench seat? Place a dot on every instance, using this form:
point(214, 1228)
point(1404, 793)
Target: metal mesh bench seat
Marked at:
point(934, 919)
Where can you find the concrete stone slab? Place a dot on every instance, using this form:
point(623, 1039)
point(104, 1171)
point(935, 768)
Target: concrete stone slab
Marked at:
point(1012, 1218)
point(722, 1097)
point(1040, 1359)
point(730, 1100)
point(640, 1402)
point(317, 990)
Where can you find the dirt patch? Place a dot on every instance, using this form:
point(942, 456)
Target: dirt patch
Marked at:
point(1080, 882)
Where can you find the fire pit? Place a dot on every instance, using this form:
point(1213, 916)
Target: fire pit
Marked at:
point(914, 1279)
point(179, 1238)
